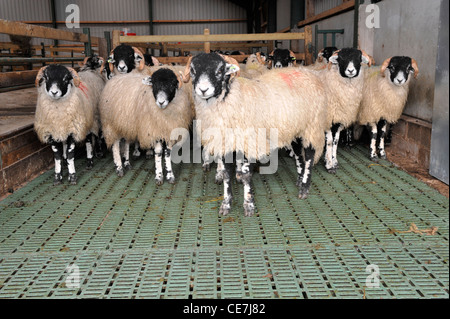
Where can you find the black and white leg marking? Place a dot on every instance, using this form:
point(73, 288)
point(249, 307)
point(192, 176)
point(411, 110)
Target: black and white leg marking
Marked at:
point(71, 160)
point(306, 173)
point(246, 179)
point(117, 158)
point(126, 155)
point(373, 142)
point(225, 207)
point(136, 152)
point(332, 141)
point(382, 126)
point(57, 148)
point(98, 145)
point(170, 177)
point(158, 163)
point(239, 164)
point(89, 151)
point(220, 171)
point(297, 149)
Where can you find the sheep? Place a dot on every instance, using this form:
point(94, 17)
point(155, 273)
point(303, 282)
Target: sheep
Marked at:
point(384, 97)
point(282, 58)
point(125, 59)
point(151, 108)
point(254, 66)
point(343, 81)
point(322, 58)
point(65, 113)
point(290, 100)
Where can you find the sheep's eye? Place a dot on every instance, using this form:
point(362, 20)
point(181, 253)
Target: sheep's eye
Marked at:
point(391, 68)
point(219, 72)
point(411, 69)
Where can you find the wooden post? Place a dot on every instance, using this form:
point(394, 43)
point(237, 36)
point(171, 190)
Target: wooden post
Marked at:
point(207, 45)
point(308, 45)
point(115, 38)
point(310, 12)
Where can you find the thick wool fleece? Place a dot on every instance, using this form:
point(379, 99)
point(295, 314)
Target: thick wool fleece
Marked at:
point(70, 115)
point(291, 100)
point(95, 83)
point(344, 96)
point(382, 99)
point(128, 110)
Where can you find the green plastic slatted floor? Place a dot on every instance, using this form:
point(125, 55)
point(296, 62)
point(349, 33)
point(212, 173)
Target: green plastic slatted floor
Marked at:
point(127, 238)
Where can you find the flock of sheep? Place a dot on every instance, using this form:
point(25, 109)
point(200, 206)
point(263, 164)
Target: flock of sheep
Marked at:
point(131, 98)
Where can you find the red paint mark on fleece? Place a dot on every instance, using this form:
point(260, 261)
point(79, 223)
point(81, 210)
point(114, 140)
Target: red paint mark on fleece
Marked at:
point(83, 88)
point(288, 77)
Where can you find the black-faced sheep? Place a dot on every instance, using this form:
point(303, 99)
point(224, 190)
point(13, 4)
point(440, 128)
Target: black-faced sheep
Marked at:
point(289, 101)
point(343, 80)
point(65, 113)
point(148, 113)
point(384, 97)
point(282, 58)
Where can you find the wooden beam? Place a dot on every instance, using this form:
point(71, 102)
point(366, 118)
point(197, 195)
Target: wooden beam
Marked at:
point(310, 10)
point(145, 21)
point(345, 6)
point(35, 31)
point(17, 78)
point(210, 38)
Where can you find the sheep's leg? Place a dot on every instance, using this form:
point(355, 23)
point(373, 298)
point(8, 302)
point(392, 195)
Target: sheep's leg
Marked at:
point(57, 148)
point(239, 166)
point(117, 158)
point(206, 166)
point(306, 176)
point(373, 142)
point(89, 151)
point(170, 177)
point(299, 160)
point(249, 200)
point(329, 152)
point(220, 171)
point(383, 128)
point(98, 145)
point(225, 207)
point(136, 152)
point(71, 160)
point(336, 130)
point(126, 155)
point(149, 153)
point(158, 164)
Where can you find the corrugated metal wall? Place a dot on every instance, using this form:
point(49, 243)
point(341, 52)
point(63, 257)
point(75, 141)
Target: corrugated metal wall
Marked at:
point(120, 10)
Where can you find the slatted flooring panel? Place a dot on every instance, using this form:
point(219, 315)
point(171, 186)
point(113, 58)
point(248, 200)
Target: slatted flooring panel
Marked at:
point(128, 238)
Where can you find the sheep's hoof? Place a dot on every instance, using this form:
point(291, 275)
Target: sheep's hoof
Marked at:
point(89, 163)
point(72, 179)
point(206, 167)
point(332, 170)
point(119, 172)
point(136, 154)
point(149, 154)
point(171, 179)
point(249, 208)
point(219, 178)
point(383, 157)
point(303, 193)
point(299, 181)
point(239, 176)
point(159, 182)
point(57, 180)
point(225, 209)
point(374, 159)
point(127, 165)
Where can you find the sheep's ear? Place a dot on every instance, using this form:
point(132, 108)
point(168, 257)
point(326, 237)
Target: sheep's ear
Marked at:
point(187, 71)
point(39, 77)
point(147, 80)
point(231, 69)
point(333, 59)
point(415, 67)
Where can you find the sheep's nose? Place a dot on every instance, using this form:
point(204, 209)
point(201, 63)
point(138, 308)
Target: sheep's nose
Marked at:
point(121, 68)
point(351, 71)
point(203, 91)
point(54, 93)
point(400, 81)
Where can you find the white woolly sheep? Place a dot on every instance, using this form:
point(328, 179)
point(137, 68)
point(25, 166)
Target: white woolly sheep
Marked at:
point(290, 100)
point(282, 58)
point(384, 97)
point(254, 66)
point(343, 80)
point(146, 114)
point(65, 113)
point(322, 58)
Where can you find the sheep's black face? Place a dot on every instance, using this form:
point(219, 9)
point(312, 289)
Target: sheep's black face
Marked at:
point(328, 52)
point(165, 85)
point(281, 58)
point(58, 81)
point(124, 58)
point(94, 62)
point(400, 67)
point(210, 75)
point(349, 62)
